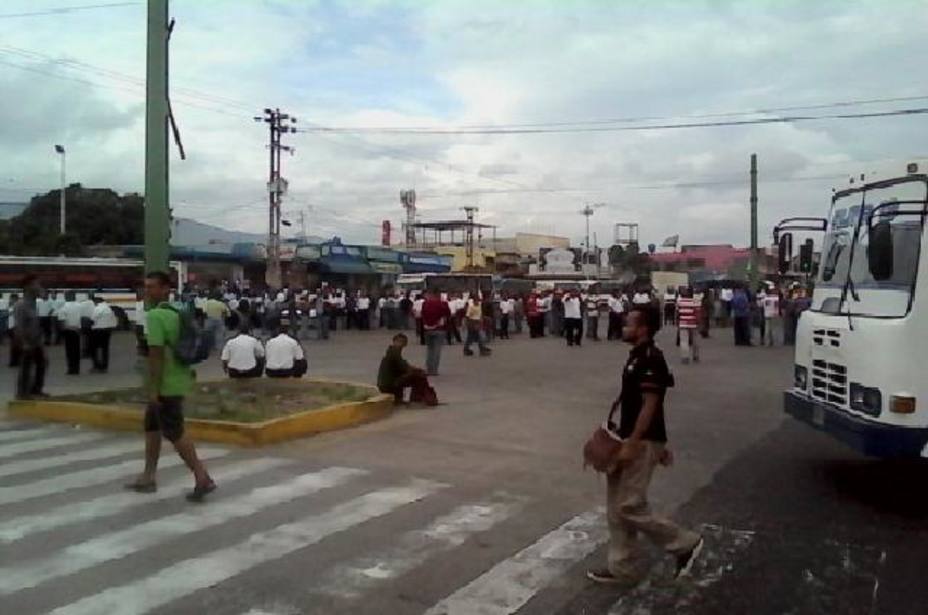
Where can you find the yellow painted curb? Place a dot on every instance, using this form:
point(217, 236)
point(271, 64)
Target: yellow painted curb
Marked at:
point(330, 418)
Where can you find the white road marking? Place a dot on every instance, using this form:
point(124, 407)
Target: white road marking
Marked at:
point(116, 503)
point(188, 576)
point(87, 478)
point(31, 446)
point(22, 434)
point(115, 545)
point(87, 454)
point(508, 585)
point(445, 533)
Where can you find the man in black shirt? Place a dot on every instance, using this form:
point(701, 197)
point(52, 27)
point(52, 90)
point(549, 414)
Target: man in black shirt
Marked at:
point(395, 375)
point(645, 380)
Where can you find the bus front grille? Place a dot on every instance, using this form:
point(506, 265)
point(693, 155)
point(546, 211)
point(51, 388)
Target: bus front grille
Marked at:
point(829, 382)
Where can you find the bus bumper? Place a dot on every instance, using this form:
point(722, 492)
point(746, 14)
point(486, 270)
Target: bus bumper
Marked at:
point(867, 437)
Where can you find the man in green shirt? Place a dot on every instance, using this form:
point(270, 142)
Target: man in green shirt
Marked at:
point(169, 381)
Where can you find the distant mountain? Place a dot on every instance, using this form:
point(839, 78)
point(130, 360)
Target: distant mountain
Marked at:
point(190, 233)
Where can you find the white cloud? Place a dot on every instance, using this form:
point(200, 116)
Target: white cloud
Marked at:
point(449, 63)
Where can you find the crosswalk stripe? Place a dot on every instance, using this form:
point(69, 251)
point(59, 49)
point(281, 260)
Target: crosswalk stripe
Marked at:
point(31, 446)
point(119, 544)
point(189, 576)
point(87, 454)
point(87, 478)
point(22, 434)
point(444, 533)
point(508, 585)
point(116, 503)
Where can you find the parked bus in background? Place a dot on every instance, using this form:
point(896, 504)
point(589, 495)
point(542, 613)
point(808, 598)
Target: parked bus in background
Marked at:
point(114, 279)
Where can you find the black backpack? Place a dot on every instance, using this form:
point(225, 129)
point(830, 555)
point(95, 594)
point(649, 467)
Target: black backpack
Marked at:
point(193, 342)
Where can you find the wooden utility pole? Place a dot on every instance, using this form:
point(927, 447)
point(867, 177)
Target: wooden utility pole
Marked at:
point(755, 260)
point(157, 209)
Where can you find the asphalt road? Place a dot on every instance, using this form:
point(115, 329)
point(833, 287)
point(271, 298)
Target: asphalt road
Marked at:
point(478, 506)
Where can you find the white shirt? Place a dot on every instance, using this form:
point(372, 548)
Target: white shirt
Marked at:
point(103, 317)
point(233, 304)
point(87, 308)
point(615, 305)
point(506, 306)
point(572, 307)
point(200, 303)
point(70, 315)
point(727, 294)
point(242, 352)
point(364, 303)
point(417, 308)
point(282, 351)
point(641, 298)
point(381, 302)
point(43, 307)
point(771, 305)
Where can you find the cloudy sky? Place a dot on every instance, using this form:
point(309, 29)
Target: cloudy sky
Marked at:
point(76, 77)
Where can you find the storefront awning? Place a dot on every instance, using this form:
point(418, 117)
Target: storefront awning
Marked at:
point(345, 266)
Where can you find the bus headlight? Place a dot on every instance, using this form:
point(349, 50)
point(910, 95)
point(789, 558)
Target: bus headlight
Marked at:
point(800, 377)
point(866, 399)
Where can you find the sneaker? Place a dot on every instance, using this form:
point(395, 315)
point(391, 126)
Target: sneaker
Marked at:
point(468, 353)
point(603, 576)
point(686, 560)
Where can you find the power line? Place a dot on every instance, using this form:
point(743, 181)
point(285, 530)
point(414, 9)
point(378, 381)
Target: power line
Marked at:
point(68, 9)
point(637, 119)
point(650, 127)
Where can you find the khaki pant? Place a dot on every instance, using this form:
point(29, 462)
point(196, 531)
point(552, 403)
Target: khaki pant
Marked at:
point(629, 516)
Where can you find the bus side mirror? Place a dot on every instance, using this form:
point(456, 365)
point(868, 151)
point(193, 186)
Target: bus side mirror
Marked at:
point(880, 251)
point(784, 252)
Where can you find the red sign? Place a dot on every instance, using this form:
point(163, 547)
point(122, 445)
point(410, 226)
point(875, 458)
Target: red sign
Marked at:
point(385, 233)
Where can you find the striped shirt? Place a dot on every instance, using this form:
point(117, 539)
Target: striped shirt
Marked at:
point(687, 313)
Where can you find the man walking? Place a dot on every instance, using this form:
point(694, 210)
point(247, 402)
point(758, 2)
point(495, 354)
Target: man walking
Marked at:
point(687, 318)
point(216, 314)
point(104, 322)
point(616, 309)
point(434, 317)
point(506, 307)
point(28, 337)
point(473, 321)
point(645, 380)
point(772, 314)
point(573, 319)
point(741, 312)
point(592, 317)
point(169, 381)
point(69, 323)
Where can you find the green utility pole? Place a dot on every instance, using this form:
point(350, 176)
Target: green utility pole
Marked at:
point(754, 277)
point(157, 211)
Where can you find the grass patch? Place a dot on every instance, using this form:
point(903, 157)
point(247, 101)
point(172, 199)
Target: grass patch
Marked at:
point(244, 401)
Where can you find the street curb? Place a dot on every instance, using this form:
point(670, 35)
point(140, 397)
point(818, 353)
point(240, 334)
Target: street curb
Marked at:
point(120, 418)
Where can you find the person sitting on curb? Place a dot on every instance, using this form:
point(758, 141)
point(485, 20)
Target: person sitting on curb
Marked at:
point(243, 356)
point(284, 355)
point(396, 374)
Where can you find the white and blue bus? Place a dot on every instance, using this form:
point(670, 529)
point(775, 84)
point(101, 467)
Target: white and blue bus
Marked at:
point(862, 348)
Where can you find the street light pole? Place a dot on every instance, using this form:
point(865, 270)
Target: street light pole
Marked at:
point(61, 206)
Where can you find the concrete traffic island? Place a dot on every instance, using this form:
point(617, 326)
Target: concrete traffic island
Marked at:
point(245, 412)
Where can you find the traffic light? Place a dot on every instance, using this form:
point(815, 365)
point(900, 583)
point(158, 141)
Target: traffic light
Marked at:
point(805, 256)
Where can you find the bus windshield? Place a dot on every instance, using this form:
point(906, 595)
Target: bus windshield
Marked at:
point(845, 275)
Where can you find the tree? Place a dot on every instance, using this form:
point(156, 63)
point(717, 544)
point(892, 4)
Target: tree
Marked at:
point(630, 258)
point(94, 217)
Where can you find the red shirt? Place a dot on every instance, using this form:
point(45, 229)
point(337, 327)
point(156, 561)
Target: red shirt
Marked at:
point(435, 313)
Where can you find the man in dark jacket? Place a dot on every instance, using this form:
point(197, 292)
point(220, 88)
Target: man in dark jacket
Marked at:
point(396, 375)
